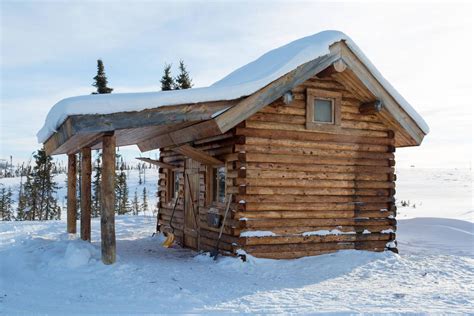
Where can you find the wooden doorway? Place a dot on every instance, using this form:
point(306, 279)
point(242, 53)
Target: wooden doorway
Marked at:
point(191, 204)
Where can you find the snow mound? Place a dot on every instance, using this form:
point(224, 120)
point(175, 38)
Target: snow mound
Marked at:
point(77, 255)
point(242, 82)
point(436, 235)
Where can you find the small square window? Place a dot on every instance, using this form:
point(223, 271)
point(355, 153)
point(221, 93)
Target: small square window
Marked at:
point(323, 110)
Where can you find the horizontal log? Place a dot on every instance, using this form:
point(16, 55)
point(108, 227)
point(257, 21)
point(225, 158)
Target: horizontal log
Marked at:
point(316, 152)
point(312, 144)
point(312, 136)
point(375, 245)
point(318, 191)
point(291, 230)
point(292, 166)
point(277, 174)
point(299, 183)
point(315, 206)
point(316, 222)
point(276, 240)
point(313, 199)
point(302, 128)
point(301, 159)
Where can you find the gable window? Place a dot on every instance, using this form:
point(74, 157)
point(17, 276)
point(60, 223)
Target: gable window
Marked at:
point(217, 179)
point(323, 109)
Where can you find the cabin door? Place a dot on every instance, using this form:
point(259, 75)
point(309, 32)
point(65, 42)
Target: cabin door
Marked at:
point(191, 204)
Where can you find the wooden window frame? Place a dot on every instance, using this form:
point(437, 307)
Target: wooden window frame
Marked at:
point(211, 177)
point(170, 184)
point(335, 97)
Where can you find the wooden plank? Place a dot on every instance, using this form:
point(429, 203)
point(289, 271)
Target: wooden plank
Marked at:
point(86, 171)
point(272, 92)
point(156, 162)
point(107, 192)
point(198, 155)
point(71, 194)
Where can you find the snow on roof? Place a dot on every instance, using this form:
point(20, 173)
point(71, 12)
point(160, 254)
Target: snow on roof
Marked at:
point(242, 82)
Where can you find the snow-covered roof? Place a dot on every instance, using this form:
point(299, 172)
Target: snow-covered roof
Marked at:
point(242, 82)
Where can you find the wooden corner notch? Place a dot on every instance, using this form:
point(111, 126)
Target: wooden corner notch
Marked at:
point(371, 107)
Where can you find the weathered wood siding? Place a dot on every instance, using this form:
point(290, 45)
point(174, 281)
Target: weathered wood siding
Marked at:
point(295, 180)
point(221, 147)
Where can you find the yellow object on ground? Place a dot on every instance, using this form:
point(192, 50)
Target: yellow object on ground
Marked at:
point(169, 240)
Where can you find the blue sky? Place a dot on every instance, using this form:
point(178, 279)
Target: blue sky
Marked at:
point(49, 52)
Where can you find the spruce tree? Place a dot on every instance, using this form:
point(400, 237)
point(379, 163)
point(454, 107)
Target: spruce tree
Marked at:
point(6, 211)
point(46, 187)
point(144, 201)
point(97, 178)
point(183, 81)
point(21, 208)
point(135, 204)
point(100, 80)
point(167, 82)
point(121, 192)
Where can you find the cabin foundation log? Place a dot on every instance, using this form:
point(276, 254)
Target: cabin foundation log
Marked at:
point(86, 171)
point(107, 221)
point(71, 195)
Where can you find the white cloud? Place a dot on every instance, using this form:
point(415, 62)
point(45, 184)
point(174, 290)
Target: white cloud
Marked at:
point(49, 51)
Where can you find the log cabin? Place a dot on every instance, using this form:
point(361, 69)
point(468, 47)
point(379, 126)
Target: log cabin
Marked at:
point(300, 144)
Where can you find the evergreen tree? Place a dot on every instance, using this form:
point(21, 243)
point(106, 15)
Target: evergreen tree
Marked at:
point(46, 188)
point(6, 210)
point(135, 204)
point(21, 208)
point(183, 81)
point(95, 207)
point(100, 80)
point(37, 200)
point(121, 192)
point(144, 201)
point(167, 82)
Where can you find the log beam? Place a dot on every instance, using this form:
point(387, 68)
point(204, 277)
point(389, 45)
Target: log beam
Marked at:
point(107, 220)
point(156, 162)
point(86, 171)
point(71, 194)
point(371, 107)
point(198, 155)
point(336, 67)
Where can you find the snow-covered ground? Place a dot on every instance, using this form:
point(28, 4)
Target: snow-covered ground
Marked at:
point(43, 270)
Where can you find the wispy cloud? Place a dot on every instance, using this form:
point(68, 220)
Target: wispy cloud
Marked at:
point(49, 50)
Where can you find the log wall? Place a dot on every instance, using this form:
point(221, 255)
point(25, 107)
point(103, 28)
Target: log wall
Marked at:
point(314, 192)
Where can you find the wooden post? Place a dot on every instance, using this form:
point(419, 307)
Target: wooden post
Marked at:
point(71, 194)
point(86, 170)
point(107, 214)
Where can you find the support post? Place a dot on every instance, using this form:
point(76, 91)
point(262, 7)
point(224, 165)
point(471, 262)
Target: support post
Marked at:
point(86, 170)
point(107, 214)
point(71, 194)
